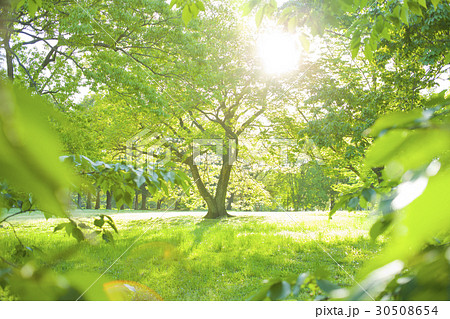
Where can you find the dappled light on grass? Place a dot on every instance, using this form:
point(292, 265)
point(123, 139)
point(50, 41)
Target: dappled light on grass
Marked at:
point(187, 258)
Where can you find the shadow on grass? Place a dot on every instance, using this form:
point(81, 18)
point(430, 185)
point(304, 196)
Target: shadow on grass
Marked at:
point(236, 274)
point(187, 258)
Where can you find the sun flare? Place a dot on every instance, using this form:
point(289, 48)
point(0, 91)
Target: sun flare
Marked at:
point(279, 52)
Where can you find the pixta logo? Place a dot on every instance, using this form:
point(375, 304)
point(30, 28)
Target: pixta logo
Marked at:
point(152, 149)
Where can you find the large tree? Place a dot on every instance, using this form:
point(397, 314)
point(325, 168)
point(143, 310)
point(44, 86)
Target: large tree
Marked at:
point(222, 95)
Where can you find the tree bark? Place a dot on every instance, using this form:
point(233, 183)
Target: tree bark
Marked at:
point(108, 200)
point(216, 203)
point(79, 200)
point(97, 200)
point(230, 201)
point(9, 57)
point(144, 198)
point(5, 33)
point(158, 204)
point(89, 201)
point(136, 201)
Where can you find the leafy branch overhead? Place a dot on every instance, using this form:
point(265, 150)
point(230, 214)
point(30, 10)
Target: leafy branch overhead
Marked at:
point(190, 9)
point(122, 180)
point(372, 23)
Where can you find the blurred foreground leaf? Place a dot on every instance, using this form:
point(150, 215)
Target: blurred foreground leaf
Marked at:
point(29, 150)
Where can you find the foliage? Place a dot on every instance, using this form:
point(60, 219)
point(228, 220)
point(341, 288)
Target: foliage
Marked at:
point(410, 152)
point(290, 289)
point(307, 187)
point(414, 211)
point(190, 8)
point(80, 230)
point(123, 180)
point(24, 134)
point(366, 105)
point(368, 23)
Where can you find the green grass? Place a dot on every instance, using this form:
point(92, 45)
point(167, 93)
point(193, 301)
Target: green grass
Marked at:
point(188, 258)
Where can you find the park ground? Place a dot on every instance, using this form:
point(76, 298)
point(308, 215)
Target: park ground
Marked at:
point(182, 256)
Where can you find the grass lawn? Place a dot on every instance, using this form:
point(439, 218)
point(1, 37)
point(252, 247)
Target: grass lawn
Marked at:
point(183, 257)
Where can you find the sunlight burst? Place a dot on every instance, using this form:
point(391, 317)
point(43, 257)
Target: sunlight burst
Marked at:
point(279, 52)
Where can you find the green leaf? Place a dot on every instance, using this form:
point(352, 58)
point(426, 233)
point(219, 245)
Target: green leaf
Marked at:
point(368, 51)
point(379, 25)
point(353, 203)
point(369, 194)
point(111, 223)
point(380, 226)
point(172, 3)
point(376, 281)
point(435, 3)
point(260, 15)
point(304, 41)
point(279, 291)
point(395, 120)
point(415, 8)
point(327, 286)
point(20, 4)
point(128, 198)
point(292, 24)
point(423, 3)
point(108, 236)
point(401, 147)
point(248, 6)
point(298, 284)
point(261, 294)
point(396, 12)
point(273, 3)
point(200, 5)
point(437, 100)
point(194, 10)
point(77, 234)
point(339, 204)
point(59, 227)
point(186, 15)
point(355, 43)
point(83, 226)
point(69, 227)
point(99, 222)
point(347, 5)
point(26, 119)
point(32, 8)
point(404, 15)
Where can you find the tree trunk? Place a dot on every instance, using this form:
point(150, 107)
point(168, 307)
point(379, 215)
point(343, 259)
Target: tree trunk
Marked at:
point(97, 200)
point(136, 201)
point(5, 33)
point(144, 198)
point(89, 201)
point(158, 204)
point(9, 58)
point(216, 204)
point(108, 200)
point(79, 200)
point(230, 201)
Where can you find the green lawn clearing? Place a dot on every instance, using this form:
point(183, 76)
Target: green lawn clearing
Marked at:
point(184, 257)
